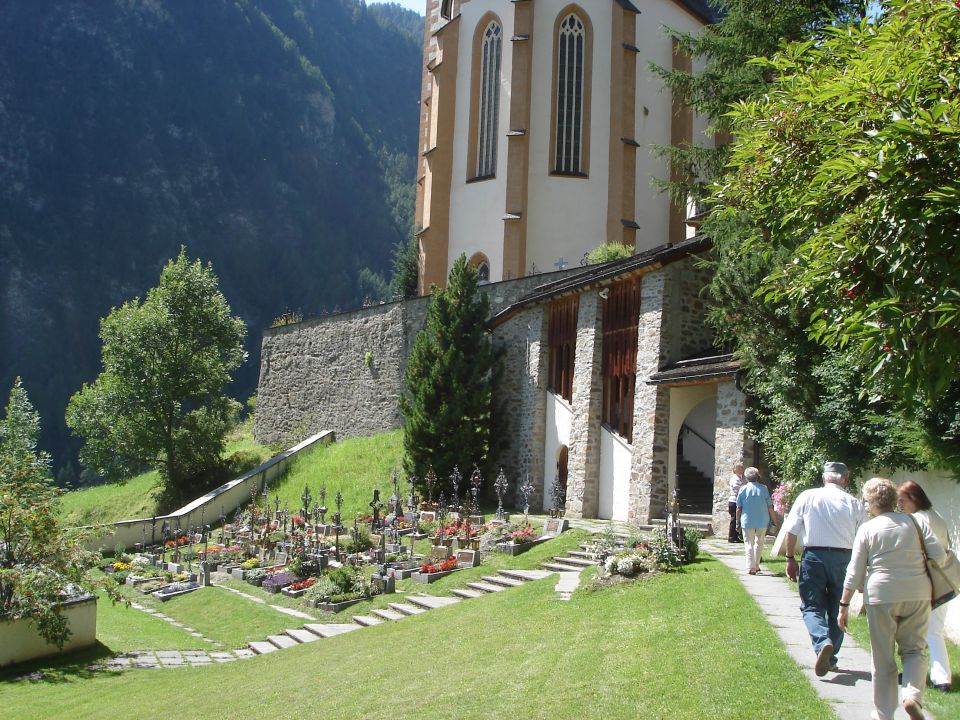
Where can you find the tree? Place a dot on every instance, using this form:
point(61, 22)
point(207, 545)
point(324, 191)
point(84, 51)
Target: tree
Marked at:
point(40, 563)
point(159, 400)
point(449, 380)
point(406, 259)
point(846, 172)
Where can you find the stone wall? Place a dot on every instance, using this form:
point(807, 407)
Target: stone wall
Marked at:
point(345, 372)
point(730, 446)
point(520, 400)
point(691, 334)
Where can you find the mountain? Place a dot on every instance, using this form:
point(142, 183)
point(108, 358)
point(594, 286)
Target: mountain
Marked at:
point(274, 138)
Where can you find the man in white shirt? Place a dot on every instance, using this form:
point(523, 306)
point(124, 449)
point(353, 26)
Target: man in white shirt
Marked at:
point(736, 482)
point(827, 519)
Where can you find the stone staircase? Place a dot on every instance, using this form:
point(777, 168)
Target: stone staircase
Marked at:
point(396, 611)
point(703, 523)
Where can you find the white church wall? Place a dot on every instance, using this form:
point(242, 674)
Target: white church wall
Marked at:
point(615, 454)
point(476, 208)
point(559, 419)
point(654, 116)
point(567, 216)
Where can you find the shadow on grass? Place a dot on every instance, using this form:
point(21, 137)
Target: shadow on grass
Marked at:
point(61, 668)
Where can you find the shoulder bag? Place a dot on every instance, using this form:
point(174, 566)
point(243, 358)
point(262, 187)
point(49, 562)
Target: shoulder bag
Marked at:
point(944, 578)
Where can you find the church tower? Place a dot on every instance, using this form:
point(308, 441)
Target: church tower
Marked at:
point(537, 119)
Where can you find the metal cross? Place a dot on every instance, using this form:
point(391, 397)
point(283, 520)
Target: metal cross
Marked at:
point(455, 479)
point(431, 481)
point(526, 490)
point(561, 263)
point(501, 486)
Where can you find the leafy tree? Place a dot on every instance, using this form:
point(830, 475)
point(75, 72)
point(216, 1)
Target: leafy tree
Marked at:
point(159, 400)
point(448, 398)
point(846, 171)
point(40, 563)
point(406, 259)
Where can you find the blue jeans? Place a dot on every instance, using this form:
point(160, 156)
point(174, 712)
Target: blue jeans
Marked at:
point(821, 585)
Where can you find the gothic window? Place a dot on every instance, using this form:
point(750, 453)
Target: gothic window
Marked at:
point(562, 345)
point(482, 265)
point(571, 95)
point(489, 105)
point(621, 315)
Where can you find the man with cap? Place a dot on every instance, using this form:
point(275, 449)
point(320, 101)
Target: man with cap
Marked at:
point(827, 519)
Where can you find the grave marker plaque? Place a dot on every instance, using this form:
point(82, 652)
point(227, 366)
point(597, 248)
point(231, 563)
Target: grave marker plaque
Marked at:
point(467, 558)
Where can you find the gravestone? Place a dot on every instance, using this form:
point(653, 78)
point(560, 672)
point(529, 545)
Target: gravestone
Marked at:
point(428, 516)
point(281, 558)
point(468, 558)
point(554, 526)
point(440, 552)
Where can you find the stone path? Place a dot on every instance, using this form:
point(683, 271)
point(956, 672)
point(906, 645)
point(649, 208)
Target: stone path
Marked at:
point(849, 690)
point(279, 608)
point(160, 616)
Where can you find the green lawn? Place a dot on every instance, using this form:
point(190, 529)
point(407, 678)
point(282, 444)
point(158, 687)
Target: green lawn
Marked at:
point(686, 645)
point(121, 628)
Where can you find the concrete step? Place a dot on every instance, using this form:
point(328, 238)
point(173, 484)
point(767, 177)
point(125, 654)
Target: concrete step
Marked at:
point(580, 554)
point(328, 631)
point(282, 641)
point(431, 602)
point(407, 609)
point(500, 580)
point(486, 587)
point(560, 567)
point(367, 620)
point(301, 635)
point(524, 575)
point(466, 593)
point(388, 614)
point(582, 562)
point(262, 648)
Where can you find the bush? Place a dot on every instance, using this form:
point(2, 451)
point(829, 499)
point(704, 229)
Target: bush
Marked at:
point(608, 252)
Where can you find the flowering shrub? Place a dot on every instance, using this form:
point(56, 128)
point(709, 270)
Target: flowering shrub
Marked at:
point(523, 535)
point(140, 561)
point(782, 497)
point(278, 580)
point(296, 521)
point(449, 564)
point(250, 564)
point(630, 563)
point(121, 566)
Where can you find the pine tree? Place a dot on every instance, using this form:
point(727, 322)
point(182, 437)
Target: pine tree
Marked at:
point(449, 381)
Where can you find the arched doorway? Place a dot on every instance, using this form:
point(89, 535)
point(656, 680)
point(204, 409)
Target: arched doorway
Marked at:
point(695, 458)
point(559, 487)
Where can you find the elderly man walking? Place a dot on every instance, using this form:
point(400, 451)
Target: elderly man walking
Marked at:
point(827, 519)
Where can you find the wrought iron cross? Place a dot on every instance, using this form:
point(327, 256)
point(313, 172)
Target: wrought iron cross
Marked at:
point(526, 490)
point(501, 486)
point(431, 481)
point(455, 479)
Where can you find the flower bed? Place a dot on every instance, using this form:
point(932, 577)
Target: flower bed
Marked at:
point(276, 582)
point(426, 578)
point(298, 588)
point(434, 571)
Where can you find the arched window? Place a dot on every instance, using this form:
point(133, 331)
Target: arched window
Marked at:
point(482, 264)
point(488, 108)
point(571, 94)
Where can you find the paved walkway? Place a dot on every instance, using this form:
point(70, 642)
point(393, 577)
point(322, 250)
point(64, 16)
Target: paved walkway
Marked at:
point(849, 690)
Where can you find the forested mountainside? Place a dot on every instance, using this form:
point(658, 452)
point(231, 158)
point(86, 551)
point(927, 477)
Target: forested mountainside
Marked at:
point(274, 138)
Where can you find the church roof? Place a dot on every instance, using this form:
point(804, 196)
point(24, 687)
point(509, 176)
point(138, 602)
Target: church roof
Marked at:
point(599, 274)
point(703, 9)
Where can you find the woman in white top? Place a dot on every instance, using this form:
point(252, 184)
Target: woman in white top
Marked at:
point(887, 562)
point(914, 500)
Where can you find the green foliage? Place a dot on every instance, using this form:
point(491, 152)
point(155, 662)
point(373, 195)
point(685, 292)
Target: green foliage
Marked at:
point(850, 162)
point(448, 399)
point(746, 29)
point(159, 398)
point(406, 258)
point(608, 252)
point(40, 563)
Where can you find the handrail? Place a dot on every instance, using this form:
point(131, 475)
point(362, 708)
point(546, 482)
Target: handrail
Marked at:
point(687, 428)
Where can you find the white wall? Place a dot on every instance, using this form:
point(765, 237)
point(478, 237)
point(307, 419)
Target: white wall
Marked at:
point(567, 216)
point(682, 401)
point(559, 419)
point(702, 419)
point(476, 209)
point(615, 454)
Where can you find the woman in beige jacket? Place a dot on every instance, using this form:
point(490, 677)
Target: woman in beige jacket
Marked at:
point(887, 562)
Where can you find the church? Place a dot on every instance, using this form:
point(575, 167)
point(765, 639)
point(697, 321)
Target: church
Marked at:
point(537, 123)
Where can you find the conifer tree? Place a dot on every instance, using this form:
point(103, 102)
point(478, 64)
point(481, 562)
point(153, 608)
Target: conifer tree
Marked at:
point(449, 379)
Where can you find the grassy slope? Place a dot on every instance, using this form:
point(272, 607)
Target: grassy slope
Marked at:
point(686, 645)
point(134, 498)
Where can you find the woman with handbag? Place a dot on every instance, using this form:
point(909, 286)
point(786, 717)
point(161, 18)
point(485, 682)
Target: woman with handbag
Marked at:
point(888, 563)
point(914, 500)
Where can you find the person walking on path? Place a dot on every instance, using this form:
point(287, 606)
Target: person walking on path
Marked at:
point(827, 519)
point(915, 501)
point(736, 482)
point(754, 515)
point(888, 554)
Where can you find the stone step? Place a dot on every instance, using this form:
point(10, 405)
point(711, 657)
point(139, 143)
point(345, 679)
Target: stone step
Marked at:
point(580, 554)
point(431, 602)
point(388, 614)
point(524, 575)
point(329, 631)
point(486, 587)
point(407, 609)
point(467, 593)
point(367, 620)
point(582, 562)
point(559, 567)
point(282, 641)
point(301, 635)
point(500, 580)
point(262, 648)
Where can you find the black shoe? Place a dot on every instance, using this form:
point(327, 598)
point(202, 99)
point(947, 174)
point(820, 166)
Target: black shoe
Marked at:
point(942, 687)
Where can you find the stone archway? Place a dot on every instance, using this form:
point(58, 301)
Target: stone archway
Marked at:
point(692, 454)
